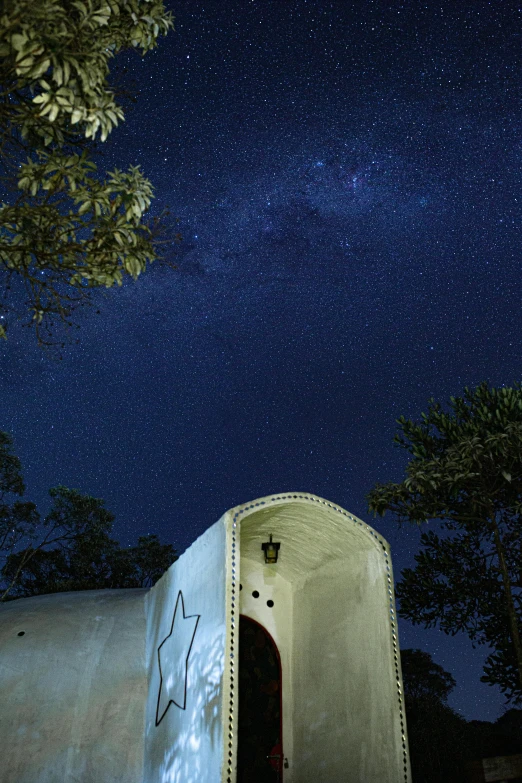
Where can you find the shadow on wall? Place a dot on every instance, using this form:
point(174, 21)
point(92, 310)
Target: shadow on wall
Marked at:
point(203, 707)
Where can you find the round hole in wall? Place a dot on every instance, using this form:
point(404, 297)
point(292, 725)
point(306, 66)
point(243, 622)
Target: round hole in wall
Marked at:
point(240, 587)
point(21, 633)
point(270, 603)
point(255, 594)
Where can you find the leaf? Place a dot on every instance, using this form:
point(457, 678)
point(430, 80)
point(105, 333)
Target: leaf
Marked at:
point(54, 112)
point(42, 68)
point(506, 475)
point(18, 41)
point(24, 66)
point(132, 266)
point(76, 116)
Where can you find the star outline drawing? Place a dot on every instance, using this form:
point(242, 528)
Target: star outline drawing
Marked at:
point(179, 600)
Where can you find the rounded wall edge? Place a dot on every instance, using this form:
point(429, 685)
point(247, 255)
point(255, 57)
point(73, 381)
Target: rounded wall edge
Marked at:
point(65, 658)
point(232, 520)
point(230, 674)
point(243, 510)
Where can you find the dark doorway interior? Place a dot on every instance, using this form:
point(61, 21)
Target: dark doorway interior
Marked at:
point(260, 714)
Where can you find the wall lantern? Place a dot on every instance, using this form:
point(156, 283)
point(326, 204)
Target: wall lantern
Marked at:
point(270, 549)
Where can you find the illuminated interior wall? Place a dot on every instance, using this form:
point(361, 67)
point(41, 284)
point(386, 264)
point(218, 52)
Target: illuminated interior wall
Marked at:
point(345, 692)
point(333, 620)
point(137, 686)
point(188, 626)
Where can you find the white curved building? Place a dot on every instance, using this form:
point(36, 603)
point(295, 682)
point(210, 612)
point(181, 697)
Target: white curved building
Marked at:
point(229, 670)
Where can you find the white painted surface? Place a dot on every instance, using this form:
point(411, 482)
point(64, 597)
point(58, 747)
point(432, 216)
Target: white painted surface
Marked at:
point(73, 688)
point(79, 691)
point(188, 744)
point(333, 605)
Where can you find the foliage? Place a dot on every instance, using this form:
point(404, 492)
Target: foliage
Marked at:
point(437, 740)
point(454, 586)
point(69, 231)
point(510, 726)
point(501, 738)
point(436, 733)
point(19, 520)
point(422, 677)
point(150, 559)
point(441, 742)
point(71, 548)
point(92, 560)
point(466, 470)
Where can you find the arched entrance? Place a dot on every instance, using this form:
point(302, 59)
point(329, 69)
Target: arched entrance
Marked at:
point(259, 747)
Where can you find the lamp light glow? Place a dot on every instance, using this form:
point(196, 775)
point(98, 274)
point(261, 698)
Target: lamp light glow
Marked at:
point(271, 550)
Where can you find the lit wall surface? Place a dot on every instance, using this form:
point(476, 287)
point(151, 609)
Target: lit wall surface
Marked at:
point(140, 686)
point(186, 640)
point(73, 690)
point(333, 620)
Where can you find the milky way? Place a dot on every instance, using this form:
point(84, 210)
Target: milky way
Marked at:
point(347, 182)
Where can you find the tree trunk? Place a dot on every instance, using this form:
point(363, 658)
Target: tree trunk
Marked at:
point(513, 619)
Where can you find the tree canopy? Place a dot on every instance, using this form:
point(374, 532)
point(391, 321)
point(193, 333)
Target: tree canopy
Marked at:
point(466, 471)
point(71, 548)
point(423, 677)
point(443, 745)
point(68, 231)
point(437, 735)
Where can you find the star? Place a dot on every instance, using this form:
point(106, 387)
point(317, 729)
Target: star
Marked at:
point(173, 656)
point(379, 170)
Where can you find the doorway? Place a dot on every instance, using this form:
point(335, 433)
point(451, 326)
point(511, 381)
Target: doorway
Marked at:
point(259, 735)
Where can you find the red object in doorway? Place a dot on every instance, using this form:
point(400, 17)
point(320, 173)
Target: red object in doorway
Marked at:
point(276, 758)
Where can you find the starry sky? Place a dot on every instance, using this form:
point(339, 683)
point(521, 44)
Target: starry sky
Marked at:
point(347, 180)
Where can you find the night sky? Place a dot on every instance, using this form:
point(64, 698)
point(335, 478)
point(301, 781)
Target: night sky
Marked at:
point(347, 178)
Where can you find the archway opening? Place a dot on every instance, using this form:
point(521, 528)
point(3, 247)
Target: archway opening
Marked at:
point(259, 747)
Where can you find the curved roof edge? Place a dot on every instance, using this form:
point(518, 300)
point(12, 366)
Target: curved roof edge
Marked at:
point(281, 498)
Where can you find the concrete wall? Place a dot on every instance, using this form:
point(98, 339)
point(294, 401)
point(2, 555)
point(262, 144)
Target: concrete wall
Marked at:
point(139, 686)
point(333, 621)
point(345, 709)
point(73, 688)
point(186, 711)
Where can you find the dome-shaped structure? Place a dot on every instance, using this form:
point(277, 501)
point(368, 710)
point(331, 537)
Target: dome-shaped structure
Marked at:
point(73, 687)
point(230, 668)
